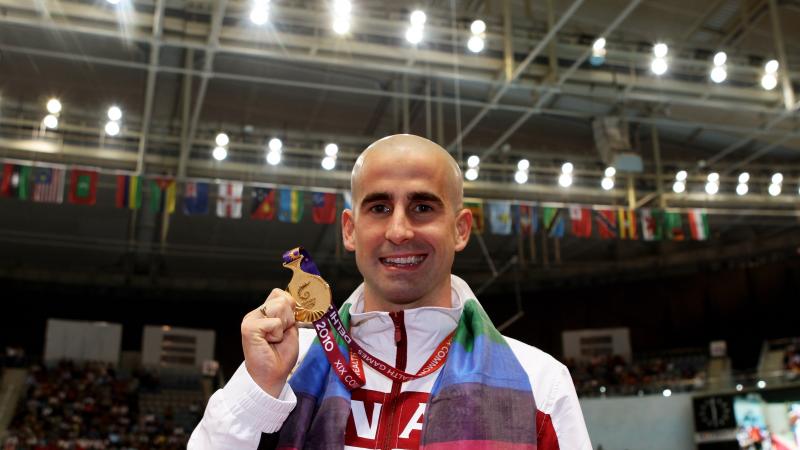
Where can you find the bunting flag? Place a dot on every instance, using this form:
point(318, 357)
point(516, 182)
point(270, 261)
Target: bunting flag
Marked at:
point(476, 206)
point(48, 185)
point(500, 217)
point(525, 222)
point(195, 198)
point(673, 226)
point(229, 200)
point(627, 224)
point(348, 199)
point(16, 181)
point(581, 219)
point(652, 224)
point(262, 204)
point(606, 223)
point(129, 192)
point(162, 195)
point(323, 209)
point(553, 222)
point(291, 206)
point(698, 224)
point(82, 187)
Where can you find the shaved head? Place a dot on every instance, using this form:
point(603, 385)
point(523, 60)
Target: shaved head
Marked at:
point(408, 145)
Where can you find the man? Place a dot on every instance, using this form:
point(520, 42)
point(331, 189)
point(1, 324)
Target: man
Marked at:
point(488, 391)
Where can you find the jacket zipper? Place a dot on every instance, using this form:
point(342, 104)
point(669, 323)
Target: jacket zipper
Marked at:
point(400, 364)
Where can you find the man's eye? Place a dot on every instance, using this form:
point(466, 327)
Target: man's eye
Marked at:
point(380, 209)
point(423, 208)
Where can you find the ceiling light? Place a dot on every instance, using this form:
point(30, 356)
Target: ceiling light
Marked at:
point(471, 174)
point(607, 183)
point(275, 144)
point(274, 157)
point(659, 66)
point(761, 384)
point(565, 180)
point(112, 128)
point(112, 2)
point(739, 387)
point(219, 153)
point(53, 106)
point(328, 162)
point(678, 187)
point(475, 44)
point(567, 168)
point(771, 66)
point(712, 188)
point(414, 35)
point(741, 189)
point(774, 190)
point(713, 177)
point(718, 74)
point(521, 177)
point(473, 161)
point(50, 121)
point(744, 177)
point(114, 113)
point(222, 140)
point(777, 178)
point(418, 18)
point(341, 25)
point(769, 81)
point(523, 164)
point(681, 175)
point(610, 172)
point(666, 392)
point(331, 149)
point(342, 7)
point(660, 50)
point(720, 58)
point(259, 15)
point(599, 44)
point(477, 27)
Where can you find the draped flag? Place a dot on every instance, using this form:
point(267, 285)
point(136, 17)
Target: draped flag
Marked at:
point(652, 224)
point(48, 185)
point(606, 223)
point(673, 226)
point(82, 187)
point(500, 217)
point(195, 198)
point(262, 205)
point(323, 209)
point(291, 206)
point(553, 222)
point(526, 223)
point(581, 219)
point(229, 200)
point(476, 206)
point(16, 181)
point(129, 192)
point(162, 195)
point(627, 224)
point(347, 196)
point(698, 224)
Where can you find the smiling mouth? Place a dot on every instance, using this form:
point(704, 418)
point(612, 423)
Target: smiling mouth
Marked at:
point(405, 262)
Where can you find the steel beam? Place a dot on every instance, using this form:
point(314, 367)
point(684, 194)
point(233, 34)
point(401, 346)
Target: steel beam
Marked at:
point(777, 34)
point(152, 73)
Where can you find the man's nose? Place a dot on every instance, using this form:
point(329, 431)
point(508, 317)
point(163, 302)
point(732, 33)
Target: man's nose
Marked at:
point(399, 228)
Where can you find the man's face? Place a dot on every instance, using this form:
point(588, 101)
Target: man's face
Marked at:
point(405, 229)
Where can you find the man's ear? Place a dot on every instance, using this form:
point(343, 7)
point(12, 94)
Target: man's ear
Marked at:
point(348, 230)
point(463, 228)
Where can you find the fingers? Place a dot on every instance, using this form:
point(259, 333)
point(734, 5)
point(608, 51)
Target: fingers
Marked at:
point(271, 319)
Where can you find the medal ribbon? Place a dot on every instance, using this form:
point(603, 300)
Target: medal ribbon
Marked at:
point(351, 374)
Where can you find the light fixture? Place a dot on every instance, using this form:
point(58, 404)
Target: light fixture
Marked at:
point(720, 59)
point(666, 392)
point(610, 172)
point(679, 187)
point(659, 66)
point(744, 177)
point(275, 144)
point(739, 387)
point(328, 162)
point(567, 168)
point(774, 190)
point(414, 32)
point(523, 164)
point(598, 52)
point(341, 16)
point(112, 128)
point(50, 121)
point(565, 180)
point(418, 18)
point(471, 174)
point(602, 389)
point(599, 44)
point(342, 7)
point(222, 140)
point(761, 384)
point(681, 175)
point(770, 78)
point(713, 177)
point(477, 27)
point(112, 2)
point(259, 14)
point(475, 44)
point(473, 161)
point(660, 50)
point(771, 66)
point(607, 184)
point(53, 106)
point(114, 113)
point(718, 74)
point(712, 188)
point(341, 25)
point(274, 157)
point(331, 149)
point(741, 189)
point(777, 178)
point(219, 153)
point(521, 177)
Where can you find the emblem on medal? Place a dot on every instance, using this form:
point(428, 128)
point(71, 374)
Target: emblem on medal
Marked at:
point(311, 293)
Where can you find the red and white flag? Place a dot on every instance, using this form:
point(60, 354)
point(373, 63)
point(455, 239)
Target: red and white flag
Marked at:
point(229, 200)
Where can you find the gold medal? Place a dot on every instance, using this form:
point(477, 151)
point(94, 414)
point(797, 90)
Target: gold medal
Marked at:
point(311, 293)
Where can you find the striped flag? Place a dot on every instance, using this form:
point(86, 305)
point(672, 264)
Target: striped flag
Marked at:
point(48, 185)
point(606, 224)
point(162, 195)
point(526, 223)
point(553, 222)
point(698, 224)
point(291, 206)
point(16, 181)
point(627, 224)
point(229, 200)
point(129, 192)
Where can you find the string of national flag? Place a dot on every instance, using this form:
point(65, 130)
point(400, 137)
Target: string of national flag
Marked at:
point(47, 185)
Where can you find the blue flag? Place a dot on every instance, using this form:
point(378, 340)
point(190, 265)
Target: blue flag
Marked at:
point(500, 217)
point(195, 198)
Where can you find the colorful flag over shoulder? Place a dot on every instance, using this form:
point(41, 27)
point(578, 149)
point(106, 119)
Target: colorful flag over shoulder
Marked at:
point(129, 192)
point(83, 187)
point(195, 198)
point(627, 224)
point(607, 223)
point(291, 206)
point(652, 224)
point(323, 209)
point(673, 226)
point(16, 181)
point(553, 222)
point(262, 205)
point(698, 224)
point(162, 195)
point(229, 200)
point(476, 206)
point(48, 185)
point(500, 217)
point(525, 221)
point(581, 220)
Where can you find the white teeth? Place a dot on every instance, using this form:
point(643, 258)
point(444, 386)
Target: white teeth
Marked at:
point(405, 260)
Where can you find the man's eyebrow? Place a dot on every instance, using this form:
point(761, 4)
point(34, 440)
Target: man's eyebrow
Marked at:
point(376, 197)
point(425, 197)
